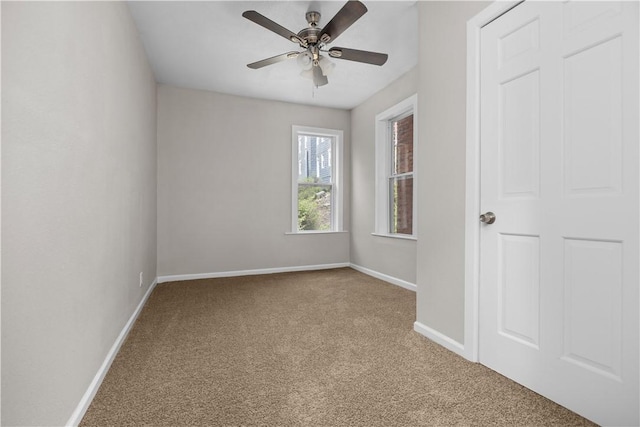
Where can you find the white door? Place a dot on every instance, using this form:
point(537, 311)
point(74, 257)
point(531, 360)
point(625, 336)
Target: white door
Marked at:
point(559, 268)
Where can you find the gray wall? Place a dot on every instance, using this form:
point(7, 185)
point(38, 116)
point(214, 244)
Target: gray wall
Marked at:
point(78, 198)
point(224, 184)
point(390, 256)
point(441, 180)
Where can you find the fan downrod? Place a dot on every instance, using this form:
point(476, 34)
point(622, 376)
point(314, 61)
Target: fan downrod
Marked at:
point(313, 18)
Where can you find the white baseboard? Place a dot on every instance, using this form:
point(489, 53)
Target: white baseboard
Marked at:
point(440, 338)
point(82, 407)
point(386, 278)
point(179, 277)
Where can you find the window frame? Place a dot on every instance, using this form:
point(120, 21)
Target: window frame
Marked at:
point(384, 167)
point(335, 159)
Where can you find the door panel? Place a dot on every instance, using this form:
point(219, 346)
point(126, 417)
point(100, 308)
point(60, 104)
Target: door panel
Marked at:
point(592, 119)
point(519, 42)
point(593, 305)
point(559, 269)
point(519, 139)
point(519, 288)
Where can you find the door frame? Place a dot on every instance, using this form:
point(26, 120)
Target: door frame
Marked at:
point(472, 184)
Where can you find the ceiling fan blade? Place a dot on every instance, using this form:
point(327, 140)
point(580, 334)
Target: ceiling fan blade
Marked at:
point(272, 60)
point(374, 58)
point(267, 23)
point(350, 13)
point(319, 79)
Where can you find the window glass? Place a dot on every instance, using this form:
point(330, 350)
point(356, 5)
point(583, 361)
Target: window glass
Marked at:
point(401, 178)
point(402, 145)
point(315, 195)
point(395, 188)
point(401, 205)
point(313, 159)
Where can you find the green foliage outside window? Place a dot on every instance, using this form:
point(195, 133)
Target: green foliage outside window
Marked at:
point(314, 207)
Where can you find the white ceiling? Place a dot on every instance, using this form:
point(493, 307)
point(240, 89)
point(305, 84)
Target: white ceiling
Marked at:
point(207, 44)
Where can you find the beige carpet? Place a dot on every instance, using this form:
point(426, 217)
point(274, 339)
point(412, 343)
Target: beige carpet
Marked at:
point(328, 348)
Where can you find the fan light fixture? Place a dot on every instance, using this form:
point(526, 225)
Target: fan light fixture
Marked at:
point(307, 66)
point(307, 74)
point(326, 66)
point(305, 61)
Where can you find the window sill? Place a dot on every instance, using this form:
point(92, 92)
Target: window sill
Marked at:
point(396, 236)
point(306, 233)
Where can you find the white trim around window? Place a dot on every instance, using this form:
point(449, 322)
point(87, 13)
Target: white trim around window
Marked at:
point(335, 159)
point(383, 167)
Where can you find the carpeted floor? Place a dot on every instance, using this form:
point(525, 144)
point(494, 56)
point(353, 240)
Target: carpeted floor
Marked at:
point(326, 348)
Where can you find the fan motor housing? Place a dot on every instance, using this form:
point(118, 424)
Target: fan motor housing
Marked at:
point(310, 35)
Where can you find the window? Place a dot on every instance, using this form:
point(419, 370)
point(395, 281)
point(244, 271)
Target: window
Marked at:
point(317, 199)
point(396, 132)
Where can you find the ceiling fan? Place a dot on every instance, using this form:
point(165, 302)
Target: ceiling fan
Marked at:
point(313, 40)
